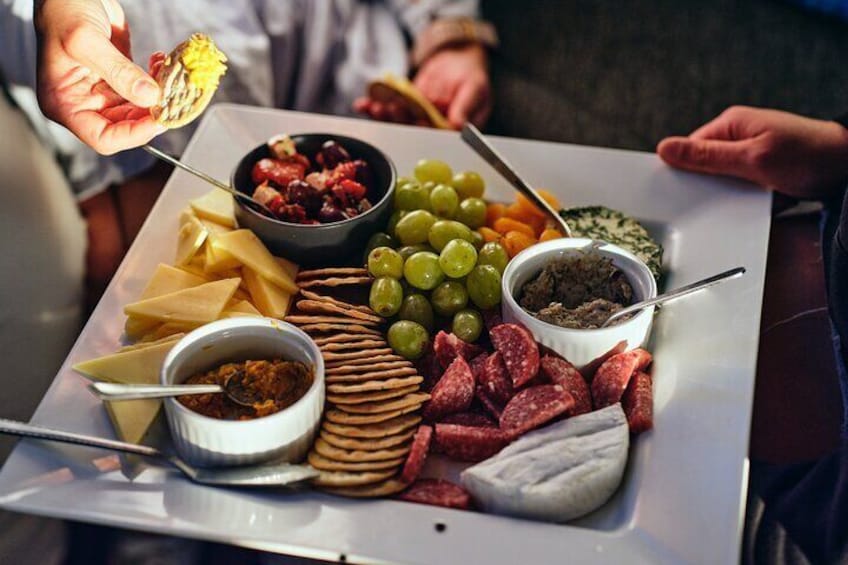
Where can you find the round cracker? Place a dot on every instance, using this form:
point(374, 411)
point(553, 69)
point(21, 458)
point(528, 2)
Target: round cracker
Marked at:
point(328, 308)
point(367, 444)
point(325, 464)
point(361, 354)
point(375, 396)
point(374, 490)
point(365, 342)
point(350, 479)
point(325, 327)
point(372, 386)
point(334, 281)
point(358, 455)
point(372, 376)
point(333, 364)
point(309, 295)
point(382, 429)
point(325, 272)
point(411, 399)
point(348, 369)
point(340, 417)
point(310, 319)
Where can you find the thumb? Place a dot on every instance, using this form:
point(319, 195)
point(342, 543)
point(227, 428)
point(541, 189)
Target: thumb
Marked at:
point(710, 156)
point(91, 48)
point(466, 102)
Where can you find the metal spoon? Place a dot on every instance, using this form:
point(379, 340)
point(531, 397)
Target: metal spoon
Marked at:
point(472, 136)
point(233, 389)
point(677, 293)
point(271, 475)
point(250, 201)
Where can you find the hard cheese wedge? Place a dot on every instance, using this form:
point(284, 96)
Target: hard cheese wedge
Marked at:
point(217, 259)
point(246, 247)
point(132, 418)
point(240, 308)
point(167, 279)
point(217, 206)
point(268, 298)
point(199, 304)
point(190, 239)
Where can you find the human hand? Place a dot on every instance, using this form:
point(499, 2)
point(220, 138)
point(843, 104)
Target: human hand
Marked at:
point(86, 79)
point(790, 154)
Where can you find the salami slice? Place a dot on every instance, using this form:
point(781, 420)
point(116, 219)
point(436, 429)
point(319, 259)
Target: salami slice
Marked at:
point(467, 443)
point(472, 419)
point(612, 377)
point(561, 372)
point(589, 369)
point(638, 403)
point(492, 317)
point(533, 407)
point(437, 492)
point(477, 365)
point(519, 351)
point(448, 347)
point(417, 454)
point(495, 379)
point(453, 393)
point(491, 406)
point(430, 369)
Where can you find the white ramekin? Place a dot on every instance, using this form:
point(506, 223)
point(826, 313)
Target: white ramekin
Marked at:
point(580, 347)
point(284, 436)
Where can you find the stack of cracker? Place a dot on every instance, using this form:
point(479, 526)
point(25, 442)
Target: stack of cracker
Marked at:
point(373, 395)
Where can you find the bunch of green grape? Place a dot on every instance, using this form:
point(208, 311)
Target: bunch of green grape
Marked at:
point(432, 268)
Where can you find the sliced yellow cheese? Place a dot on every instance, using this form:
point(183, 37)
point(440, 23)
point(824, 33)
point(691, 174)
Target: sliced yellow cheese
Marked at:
point(217, 206)
point(247, 248)
point(167, 279)
point(291, 268)
point(167, 331)
point(268, 298)
point(132, 418)
point(138, 365)
point(198, 304)
point(240, 308)
point(217, 259)
point(137, 326)
point(190, 238)
point(143, 344)
point(215, 227)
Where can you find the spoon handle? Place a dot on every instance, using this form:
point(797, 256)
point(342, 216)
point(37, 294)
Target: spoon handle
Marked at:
point(678, 292)
point(117, 391)
point(472, 136)
point(22, 429)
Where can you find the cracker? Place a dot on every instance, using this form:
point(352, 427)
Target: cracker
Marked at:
point(350, 479)
point(332, 272)
point(367, 444)
point(340, 417)
point(309, 295)
point(383, 429)
point(380, 406)
point(373, 396)
point(326, 464)
point(329, 327)
point(319, 307)
point(348, 338)
point(366, 343)
point(334, 357)
point(376, 359)
point(335, 281)
point(371, 376)
point(374, 386)
point(296, 319)
point(348, 369)
point(359, 456)
point(375, 490)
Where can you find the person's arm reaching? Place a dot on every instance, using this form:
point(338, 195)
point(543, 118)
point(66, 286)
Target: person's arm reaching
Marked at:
point(86, 78)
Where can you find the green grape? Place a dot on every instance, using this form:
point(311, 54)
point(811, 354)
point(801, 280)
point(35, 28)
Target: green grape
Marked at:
point(408, 339)
point(467, 325)
point(385, 262)
point(433, 170)
point(386, 296)
point(405, 180)
point(422, 270)
point(443, 231)
point(414, 227)
point(444, 201)
point(457, 258)
point(484, 286)
point(468, 184)
point(416, 307)
point(429, 186)
point(477, 240)
point(393, 220)
point(411, 196)
point(408, 250)
point(449, 298)
point(472, 212)
point(379, 239)
point(493, 254)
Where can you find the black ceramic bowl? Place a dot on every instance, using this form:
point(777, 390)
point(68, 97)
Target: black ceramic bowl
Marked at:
point(336, 243)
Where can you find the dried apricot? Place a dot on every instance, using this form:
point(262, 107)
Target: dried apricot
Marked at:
point(515, 242)
point(517, 212)
point(550, 234)
point(494, 211)
point(531, 208)
point(505, 225)
point(489, 234)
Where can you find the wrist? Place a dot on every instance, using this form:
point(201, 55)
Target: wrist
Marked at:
point(842, 120)
point(452, 33)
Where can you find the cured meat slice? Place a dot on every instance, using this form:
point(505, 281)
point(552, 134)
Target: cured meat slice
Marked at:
point(495, 379)
point(560, 372)
point(453, 393)
point(437, 492)
point(477, 365)
point(612, 377)
point(492, 317)
point(467, 443)
point(533, 407)
point(448, 347)
point(588, 370)
point(638, 402)
point(430, 369)
point(472, 419)
point(417, 454)
point(492, 407)
point(519, 351)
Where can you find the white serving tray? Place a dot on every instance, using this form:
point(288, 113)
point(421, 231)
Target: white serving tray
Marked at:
point(683, 495)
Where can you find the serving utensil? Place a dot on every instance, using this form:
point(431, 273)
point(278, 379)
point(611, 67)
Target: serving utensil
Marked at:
point(233, 389)
point(271, 475)
point(472, 136)
point(248, 200)
point(677, 293)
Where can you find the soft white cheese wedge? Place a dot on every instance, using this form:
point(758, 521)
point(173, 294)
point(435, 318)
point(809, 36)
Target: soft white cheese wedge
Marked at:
point(557, 473)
